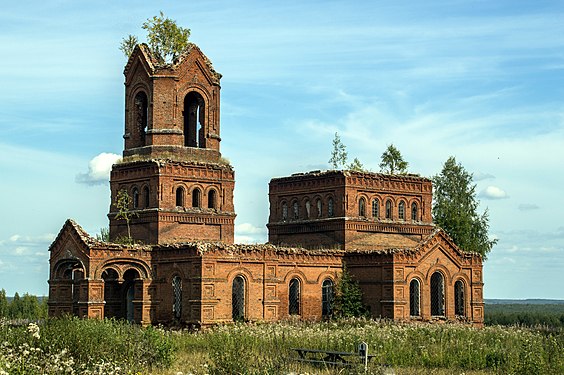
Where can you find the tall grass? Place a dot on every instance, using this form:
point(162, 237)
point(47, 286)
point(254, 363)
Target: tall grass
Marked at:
point(267, 348)
point(75, 346)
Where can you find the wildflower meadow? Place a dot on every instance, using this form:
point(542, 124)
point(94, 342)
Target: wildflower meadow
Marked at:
point(76, 346)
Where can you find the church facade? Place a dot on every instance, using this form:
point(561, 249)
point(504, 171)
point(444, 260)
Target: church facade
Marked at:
point(185, 268)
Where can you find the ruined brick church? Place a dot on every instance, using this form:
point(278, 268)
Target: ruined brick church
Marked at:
point(186, 268)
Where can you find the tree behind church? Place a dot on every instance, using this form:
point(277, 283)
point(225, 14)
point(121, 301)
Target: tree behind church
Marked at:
point(455, 209)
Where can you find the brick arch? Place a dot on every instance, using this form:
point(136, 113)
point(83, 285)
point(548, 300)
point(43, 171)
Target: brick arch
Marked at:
point(295, 273)
point(326, 275)
point(442, 269)
point(121, 265)
point(58, 270)
point(245, 272)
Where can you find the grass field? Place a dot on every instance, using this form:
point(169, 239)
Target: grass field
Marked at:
point(75, 346)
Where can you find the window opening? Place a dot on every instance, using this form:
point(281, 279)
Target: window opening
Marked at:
point(414, 298)
point(459, 302)
point(388, 209)
point(308, 208)
point(296, 211)
point(437, 294)
point(177, 293)
point(196, 197)
point(318, 204)
point(180, 197)
point(194, 109)
point(212, 198)
point(294, 297)
point(146, 196)
point(401, 210)
point(238, 299)
point(330, 209)
point(135, 198)
point(375, 209)
point(327, 297)
point(141, 116)
point(414, 211)
point(362, 207)
point(284, 211)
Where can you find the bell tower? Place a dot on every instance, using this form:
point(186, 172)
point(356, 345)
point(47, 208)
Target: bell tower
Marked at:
point(180, 187)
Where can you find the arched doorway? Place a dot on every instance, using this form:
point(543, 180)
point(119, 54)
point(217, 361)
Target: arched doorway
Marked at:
point(130, 292)
point(112, 299)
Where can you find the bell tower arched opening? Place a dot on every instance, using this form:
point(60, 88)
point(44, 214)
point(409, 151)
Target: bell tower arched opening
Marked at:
point(141, 118)
point(194, 120)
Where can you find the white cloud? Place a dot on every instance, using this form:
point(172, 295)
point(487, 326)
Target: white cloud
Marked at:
point(528, 207)
point(493, 192)
point(479, 176)
point(98, 169)
point(248, 233)
point(248, 228)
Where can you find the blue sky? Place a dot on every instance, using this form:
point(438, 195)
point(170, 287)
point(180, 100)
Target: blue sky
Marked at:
point(480, 80)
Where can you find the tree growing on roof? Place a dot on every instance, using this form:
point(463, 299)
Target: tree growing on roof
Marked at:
point(339, 157)
point(392, 161)
point(339, 153)
point(165, 38)
point(455, 209)
point(122, 204)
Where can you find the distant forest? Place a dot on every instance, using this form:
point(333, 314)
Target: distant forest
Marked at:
point(528, 313)
point(24, 307)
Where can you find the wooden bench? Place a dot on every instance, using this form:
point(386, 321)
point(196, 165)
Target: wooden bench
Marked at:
point(328, 357)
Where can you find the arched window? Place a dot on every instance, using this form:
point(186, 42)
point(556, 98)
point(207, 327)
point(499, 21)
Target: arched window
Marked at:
point(327, 297)
point(376, 209)
point(308, 208)
point(284, 211)
point(330, 208)
point(141, 117)
point(196, 197)
point(319, 208)
point(135, 194)
point(177, 297)
point(238, 299)
point(296, 211)
point(401, 210)
point(414, 298)
point(459, 299)
point(194, 120)
point(388, 209)
point(212, 198)
point(362, 207)
point(437, 294)
point(146, 197)
point(414, 211)
point(294, 297)
point(180, 196)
